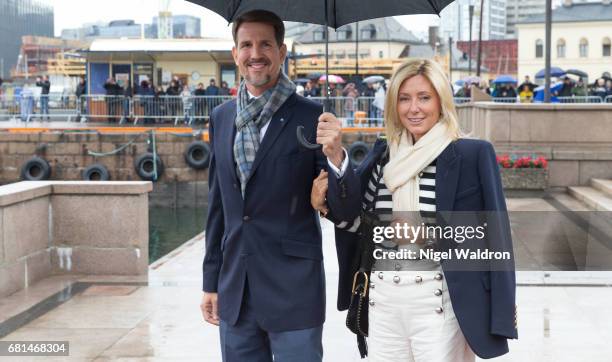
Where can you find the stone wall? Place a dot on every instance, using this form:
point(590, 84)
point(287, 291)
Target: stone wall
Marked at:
point(78, 228)
point(575, 138)
point(67, 153)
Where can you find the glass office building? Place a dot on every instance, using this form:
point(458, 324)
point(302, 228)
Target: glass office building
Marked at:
point(19, 18)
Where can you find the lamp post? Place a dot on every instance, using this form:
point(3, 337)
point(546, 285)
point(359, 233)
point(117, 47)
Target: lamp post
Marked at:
point(479, 39)
point(548, 48)
point(471, 12)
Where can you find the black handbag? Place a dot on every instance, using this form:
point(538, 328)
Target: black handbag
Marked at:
point(357, 315)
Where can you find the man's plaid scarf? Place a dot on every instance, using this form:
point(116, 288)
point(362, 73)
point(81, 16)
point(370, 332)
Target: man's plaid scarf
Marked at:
point(251, 117)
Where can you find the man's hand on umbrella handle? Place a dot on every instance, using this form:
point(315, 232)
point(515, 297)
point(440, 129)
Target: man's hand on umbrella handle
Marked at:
point(209, 308)
point(329, 134)
point(317, 195)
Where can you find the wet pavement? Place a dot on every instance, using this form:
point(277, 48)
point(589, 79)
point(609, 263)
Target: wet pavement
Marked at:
point(162, 321)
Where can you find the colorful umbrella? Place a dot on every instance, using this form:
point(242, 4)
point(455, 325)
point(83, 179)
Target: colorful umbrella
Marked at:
point(332, 79)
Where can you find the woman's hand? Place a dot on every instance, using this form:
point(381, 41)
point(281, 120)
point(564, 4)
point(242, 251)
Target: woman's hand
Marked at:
point(317, 195)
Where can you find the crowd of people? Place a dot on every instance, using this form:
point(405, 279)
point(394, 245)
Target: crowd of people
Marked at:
point(345, 96)
point(525, 92)
point(155, 103)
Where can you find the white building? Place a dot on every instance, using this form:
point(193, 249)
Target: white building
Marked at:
point(455, 20)
point(581, 39)
point(519, 10)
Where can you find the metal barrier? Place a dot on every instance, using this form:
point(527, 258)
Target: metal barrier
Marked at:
point(112, 109)
point(186, 109)
point(462, 100)
point(505, 99)
point(374, 116)
point(354, 112)
point(581, 99)
point(9, 107)
point(27, 107)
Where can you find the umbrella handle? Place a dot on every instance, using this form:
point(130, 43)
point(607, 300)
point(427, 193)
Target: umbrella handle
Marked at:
point(304, 142)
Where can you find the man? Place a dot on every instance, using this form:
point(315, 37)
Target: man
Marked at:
point(528, 83)
point(114, 94)
point(263, 276)
point(45, 86)
point(212, 89)
point(566, 89)
point(199, 93)
point(81, 91)
point(224, 90)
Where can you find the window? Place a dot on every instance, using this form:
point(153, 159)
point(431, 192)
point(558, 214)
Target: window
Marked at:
point(344, 33)
point(605, 47)
point(368, 32)
point(560, 48)
point(319, 35)
point(539, 48)
point(584, 48)
point(380, 54)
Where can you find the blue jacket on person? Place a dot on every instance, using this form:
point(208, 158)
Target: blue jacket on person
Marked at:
point(467, 180)
point(271, 238)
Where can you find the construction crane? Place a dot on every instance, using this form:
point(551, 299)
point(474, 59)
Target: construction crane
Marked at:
point(164, 20)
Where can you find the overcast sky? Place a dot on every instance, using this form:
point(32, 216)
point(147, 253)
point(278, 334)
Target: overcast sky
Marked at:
point(74, 13)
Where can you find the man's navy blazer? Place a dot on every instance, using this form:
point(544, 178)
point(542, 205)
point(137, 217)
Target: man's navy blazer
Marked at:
point(271, 239)
point(467, 179)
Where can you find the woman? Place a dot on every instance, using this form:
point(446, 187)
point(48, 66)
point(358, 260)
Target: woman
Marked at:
point(526, 94)
point(423, 309)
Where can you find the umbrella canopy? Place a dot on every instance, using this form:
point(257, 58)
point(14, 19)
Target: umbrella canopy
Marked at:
point(301, 80)
point(504, 79)
point(331, 13)
point(554, 72)
point(472, 80)
point(374, 79)
point(538, 93)
point(577, 72)
point(314, 76)
point(337, 13)
point(332, 79)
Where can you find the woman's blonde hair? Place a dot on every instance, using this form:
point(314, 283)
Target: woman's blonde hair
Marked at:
point(434, 73)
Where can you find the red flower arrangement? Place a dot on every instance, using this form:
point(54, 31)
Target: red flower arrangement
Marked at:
point(506, 161)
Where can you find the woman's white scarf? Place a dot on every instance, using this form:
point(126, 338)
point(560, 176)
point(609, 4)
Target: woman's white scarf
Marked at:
point(407, 160)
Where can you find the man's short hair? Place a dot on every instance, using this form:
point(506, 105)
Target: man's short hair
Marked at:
point(260, 16)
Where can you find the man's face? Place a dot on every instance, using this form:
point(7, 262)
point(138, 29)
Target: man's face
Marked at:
point(212, 83)
point(258, 56)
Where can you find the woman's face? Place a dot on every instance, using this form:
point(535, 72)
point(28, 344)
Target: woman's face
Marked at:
point(418, 106)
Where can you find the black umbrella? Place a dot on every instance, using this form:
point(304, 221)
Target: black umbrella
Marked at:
point(331, 13)
point(577, 72)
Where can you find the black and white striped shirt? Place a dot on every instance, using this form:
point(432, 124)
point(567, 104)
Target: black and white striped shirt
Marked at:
point(383, 205)
point(383, 208)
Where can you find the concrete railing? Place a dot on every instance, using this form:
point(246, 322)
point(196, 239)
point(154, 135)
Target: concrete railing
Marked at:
point(575, 138)
point(78, 228)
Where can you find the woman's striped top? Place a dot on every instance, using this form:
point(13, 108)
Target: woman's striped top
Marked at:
point(383, 208)
point(383, 205)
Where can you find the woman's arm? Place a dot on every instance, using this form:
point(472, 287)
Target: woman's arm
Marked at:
point(503, 282)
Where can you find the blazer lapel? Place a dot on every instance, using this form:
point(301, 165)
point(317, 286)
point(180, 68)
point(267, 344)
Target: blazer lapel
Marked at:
point(276, 126)
point(448, 167)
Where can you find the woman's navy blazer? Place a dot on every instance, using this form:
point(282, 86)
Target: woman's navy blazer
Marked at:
point(483, 295)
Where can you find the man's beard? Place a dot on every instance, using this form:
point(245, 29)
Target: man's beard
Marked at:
point(263, 81)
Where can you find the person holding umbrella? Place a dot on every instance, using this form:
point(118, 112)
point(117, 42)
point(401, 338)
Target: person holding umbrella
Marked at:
point(263, 276)
point(426, 173)
point(527, 83)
